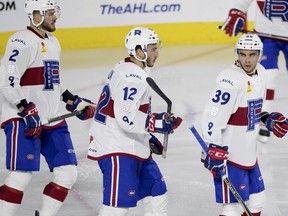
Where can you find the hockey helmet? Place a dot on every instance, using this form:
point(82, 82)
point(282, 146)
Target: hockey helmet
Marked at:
point(42, 6)
point(249, 42)
point(141, 36)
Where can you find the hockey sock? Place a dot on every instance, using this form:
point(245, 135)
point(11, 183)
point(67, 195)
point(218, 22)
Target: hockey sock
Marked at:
point(53, 198)
point(10, 200)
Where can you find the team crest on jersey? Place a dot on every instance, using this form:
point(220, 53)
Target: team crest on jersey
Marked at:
point(131, 193)
point(43, 49)
point(254, 113)
point(242, 187)
point(51, 74)
point(249, 88)
point(30, 156)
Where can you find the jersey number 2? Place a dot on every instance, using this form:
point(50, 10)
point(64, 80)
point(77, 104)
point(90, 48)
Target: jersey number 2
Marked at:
point(103, 102)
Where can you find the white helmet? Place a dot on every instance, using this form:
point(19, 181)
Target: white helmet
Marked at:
point(249, 42)
point(140, 36)
point(42, 6)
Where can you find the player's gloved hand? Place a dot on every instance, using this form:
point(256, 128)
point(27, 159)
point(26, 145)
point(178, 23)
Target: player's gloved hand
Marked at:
point(156, 146)
point(235, 22)
point(83, 104)
point(277, 123)
point(162, 123)
point(32, 120)
point(215, 160)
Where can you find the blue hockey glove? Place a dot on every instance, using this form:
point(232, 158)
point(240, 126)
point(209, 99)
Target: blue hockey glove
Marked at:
point(215, 160)
point(276, 123)
point(32, 120)
point(160, 123)
point(86, 105)
point(156, 146)
point(235, 22)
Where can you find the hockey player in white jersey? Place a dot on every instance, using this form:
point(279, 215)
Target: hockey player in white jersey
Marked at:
point(30, 83)
point(271, 17)
point(120, 132)
point(230, 124)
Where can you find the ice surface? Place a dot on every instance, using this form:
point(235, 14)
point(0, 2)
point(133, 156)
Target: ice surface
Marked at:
point(186, 75)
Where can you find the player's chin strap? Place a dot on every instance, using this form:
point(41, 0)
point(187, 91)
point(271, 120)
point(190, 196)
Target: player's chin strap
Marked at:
point(37, 25)
point(144, 50)
point(142, 60)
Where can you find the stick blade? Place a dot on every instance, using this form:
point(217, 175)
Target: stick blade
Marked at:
point(156, 88)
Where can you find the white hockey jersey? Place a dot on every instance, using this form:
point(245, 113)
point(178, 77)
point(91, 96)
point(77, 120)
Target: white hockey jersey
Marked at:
point(118, 127)
point(271, 16)
point(232, 115)
point(30, 69)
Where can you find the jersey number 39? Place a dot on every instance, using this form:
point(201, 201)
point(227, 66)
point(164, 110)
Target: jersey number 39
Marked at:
point(221, 97)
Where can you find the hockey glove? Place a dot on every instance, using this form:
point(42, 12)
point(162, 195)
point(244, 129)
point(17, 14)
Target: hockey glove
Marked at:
point(160, 123)
point(86, 105)
point(32, 120)
point(215, 160)
point(277, 123)
point(235, 22)
point(156, 146)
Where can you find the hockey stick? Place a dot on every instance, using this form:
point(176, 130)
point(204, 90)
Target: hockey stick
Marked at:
point(223, 175)
point(61, 117)
point(155, 87)
point(277, 37)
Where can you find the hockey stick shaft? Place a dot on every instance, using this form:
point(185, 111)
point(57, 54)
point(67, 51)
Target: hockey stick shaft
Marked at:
point(61, 117)
point(156, 88)
point(277, 37)
point(223, 175)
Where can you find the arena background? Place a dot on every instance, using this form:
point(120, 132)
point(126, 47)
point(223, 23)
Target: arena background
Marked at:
point(101, 23)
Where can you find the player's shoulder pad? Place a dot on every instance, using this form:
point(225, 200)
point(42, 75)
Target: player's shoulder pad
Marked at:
point(21, 39)
point(132, 73)
point(260, 68)
point(230, 78)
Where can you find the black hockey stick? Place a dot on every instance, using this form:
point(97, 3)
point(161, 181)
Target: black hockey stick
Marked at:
point(155, 87)
point(223, 175)
point(272, 36)
point(61, 117)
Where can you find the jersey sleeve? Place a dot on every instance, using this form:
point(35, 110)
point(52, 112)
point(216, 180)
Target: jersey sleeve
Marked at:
point(13, 65)
point(221, 104)
point(130, 97)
